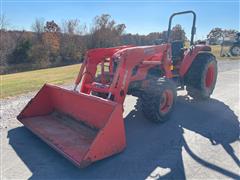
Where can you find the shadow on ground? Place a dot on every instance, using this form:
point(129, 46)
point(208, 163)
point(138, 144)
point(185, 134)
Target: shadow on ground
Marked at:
point(149, 146)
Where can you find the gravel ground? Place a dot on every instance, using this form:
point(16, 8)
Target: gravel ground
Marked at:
point(188, 146)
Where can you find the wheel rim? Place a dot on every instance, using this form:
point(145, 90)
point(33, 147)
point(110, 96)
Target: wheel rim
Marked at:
point(236, 50)
point(209, 79)
point(166, 101)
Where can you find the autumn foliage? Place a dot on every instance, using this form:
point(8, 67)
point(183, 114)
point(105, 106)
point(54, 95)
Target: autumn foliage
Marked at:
point(50, 44)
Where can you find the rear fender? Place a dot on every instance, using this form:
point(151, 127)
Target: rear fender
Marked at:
point(190, 55)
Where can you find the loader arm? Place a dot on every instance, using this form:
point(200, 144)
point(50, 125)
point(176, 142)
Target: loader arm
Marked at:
point(89, 65)
point(138, 56)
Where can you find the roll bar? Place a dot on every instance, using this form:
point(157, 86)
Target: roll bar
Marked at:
point(193, 24)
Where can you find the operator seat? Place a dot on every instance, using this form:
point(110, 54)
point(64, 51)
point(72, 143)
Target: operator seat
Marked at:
point(177, 51)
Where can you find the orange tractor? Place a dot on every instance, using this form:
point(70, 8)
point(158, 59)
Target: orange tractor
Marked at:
point(87, 125)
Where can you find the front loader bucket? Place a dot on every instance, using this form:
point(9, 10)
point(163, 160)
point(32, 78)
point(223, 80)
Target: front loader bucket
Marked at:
point(82, 127)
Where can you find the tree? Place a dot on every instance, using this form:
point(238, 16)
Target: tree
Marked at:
point(215, 33)
point(72, 42)
point(51, 39)
point(105, 32)
point(178, 33)
point(72, 27)
point(21, 53)
point(38, 25)
point(40, 55)
point(3, 22)
point(6, 43)
point(220, 34)
point(164, 36)
point(9, 42)
point(51, 26)
point(230, 32)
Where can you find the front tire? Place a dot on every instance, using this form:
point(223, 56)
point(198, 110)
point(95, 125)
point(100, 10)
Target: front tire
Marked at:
point(158, 100)
point(201, 78)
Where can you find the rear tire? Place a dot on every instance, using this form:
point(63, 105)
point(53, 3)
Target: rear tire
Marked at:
point(235, 50)
point(158, 100)
point(201, 78)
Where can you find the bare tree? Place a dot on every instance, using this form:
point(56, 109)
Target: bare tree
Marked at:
point(70, 26)
point(105, 32)
point(72, 42)
point(38, 25)
point(73, 26)
point(103, 22)
point(3, 22)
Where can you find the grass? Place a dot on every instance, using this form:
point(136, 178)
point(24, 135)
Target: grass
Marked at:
point(216, 49)
point(19, 83)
